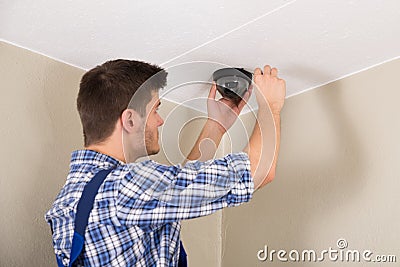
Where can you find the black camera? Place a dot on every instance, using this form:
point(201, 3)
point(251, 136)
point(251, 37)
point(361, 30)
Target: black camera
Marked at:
point(232, 83)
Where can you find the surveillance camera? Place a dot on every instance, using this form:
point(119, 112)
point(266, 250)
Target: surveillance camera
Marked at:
point(232, 83)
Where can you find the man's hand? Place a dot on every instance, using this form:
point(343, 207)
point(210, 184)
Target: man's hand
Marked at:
point(221, 116)
point(271, 89)
point(270, 92)
point(224, 111)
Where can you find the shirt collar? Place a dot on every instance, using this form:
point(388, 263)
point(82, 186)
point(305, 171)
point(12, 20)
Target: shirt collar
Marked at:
point(91, 157)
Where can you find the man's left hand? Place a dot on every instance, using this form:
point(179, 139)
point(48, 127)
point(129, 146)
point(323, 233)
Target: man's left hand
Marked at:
point(224, 111)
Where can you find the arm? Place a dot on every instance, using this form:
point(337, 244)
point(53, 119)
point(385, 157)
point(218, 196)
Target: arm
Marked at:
point(270, 95)
point(221, 116)
point(271, 174)
point(153, 194)
point(207, 142)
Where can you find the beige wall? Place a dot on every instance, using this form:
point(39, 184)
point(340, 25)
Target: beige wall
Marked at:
point(39, 130)
point(337, 173)
point(337, 176)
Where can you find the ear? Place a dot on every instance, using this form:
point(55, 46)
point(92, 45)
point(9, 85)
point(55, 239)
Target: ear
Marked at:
point(128, 119)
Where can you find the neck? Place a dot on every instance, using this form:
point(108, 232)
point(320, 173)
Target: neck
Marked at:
point(109, 148)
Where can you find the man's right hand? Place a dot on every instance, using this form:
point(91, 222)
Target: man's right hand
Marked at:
point(270, 89)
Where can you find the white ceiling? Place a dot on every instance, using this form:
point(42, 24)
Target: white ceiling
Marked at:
point(312, 42)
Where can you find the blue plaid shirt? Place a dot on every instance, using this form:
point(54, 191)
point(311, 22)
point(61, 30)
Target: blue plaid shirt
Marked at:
point(136, 215)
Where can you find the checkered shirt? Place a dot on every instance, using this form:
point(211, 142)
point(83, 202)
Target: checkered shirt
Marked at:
point(136, 214)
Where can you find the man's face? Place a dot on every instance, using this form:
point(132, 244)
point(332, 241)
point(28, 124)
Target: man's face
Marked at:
point(153, 121)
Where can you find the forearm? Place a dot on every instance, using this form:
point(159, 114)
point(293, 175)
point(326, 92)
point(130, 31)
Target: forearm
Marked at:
point(271, 174)
point(207, 142)
point(263, 146)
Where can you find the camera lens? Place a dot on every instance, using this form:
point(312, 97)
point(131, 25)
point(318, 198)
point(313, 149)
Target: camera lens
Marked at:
point(232, 84)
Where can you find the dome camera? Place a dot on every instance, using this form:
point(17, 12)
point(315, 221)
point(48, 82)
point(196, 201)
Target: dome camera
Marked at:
point(232, 83)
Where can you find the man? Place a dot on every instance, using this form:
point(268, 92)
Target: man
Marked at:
point(135, 220)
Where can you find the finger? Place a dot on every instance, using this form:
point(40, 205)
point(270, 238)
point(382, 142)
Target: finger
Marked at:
point(244, 100)
point(226, 101)
point(250, 88)
point(267, 69)
point(274, 72)
point(213, 91)
point(251, 91)
point(257, 71)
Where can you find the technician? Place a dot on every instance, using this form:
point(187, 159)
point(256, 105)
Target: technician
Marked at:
point(135, 220)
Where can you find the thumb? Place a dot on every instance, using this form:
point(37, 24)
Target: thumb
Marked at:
point(213, 91)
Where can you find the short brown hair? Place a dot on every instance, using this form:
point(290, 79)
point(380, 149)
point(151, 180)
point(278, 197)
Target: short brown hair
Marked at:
point(106, 91)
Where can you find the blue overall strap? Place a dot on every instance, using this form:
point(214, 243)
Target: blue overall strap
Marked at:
point(85, 205)
point(182, 257)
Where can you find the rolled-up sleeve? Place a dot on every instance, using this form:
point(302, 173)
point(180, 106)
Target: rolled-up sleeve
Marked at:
point(152, 194)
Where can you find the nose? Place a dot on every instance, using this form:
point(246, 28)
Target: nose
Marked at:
point(160, 121)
